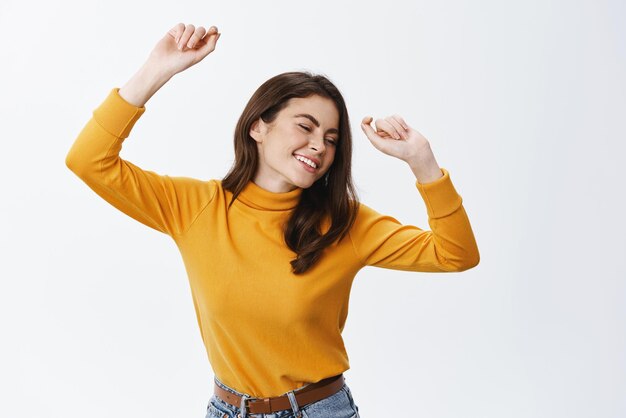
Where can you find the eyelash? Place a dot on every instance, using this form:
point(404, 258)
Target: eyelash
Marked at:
point(306, 128)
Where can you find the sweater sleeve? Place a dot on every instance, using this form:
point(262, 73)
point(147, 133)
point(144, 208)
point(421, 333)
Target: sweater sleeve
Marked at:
point(167, 204)
point(382, 241)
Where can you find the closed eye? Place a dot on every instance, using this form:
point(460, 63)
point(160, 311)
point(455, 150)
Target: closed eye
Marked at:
point(306, 128)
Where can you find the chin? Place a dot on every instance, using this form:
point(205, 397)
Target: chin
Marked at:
point(304, 184)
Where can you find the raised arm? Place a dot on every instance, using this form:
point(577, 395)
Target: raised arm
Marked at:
point(382, 241)
point(167, 204)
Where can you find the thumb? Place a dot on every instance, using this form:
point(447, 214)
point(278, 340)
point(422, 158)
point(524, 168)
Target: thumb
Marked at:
point(374, 138)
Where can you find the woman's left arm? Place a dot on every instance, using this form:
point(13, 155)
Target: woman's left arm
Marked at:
point(382, 241)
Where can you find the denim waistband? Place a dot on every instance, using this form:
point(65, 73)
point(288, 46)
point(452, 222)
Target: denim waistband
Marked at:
point(236, 392)
point(240, 411)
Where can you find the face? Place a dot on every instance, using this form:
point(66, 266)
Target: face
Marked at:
point(307, 127)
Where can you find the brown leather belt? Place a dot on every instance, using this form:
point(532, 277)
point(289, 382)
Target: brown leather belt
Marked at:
point(311, 393)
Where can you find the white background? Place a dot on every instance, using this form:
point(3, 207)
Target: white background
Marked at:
point(524, 104)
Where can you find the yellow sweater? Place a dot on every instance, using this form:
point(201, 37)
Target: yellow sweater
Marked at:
point(266, 330)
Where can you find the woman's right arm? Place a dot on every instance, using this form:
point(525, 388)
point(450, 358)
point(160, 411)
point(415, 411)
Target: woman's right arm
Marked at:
point(182, 47)
point(167, 204)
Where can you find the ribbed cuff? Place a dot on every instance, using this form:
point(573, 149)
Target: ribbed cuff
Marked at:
point(440, 196)
point(116, 115)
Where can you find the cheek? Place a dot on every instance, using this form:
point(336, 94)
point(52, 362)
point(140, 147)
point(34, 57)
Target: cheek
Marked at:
point(293, 142)
point(332, 152)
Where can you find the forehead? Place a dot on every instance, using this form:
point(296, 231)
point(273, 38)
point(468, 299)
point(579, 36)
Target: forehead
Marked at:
point(321, 108)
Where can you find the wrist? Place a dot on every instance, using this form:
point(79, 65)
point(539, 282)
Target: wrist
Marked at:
point(424, 176)
point(425, 168)
point(143, 85)
point(154, 73)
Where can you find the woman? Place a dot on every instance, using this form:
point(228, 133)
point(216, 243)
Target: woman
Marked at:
point(271, 250)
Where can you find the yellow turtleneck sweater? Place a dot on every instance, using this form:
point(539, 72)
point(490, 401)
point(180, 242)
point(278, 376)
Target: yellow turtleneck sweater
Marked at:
point(266, 330)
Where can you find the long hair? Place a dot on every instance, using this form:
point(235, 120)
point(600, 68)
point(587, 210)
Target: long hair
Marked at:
point(336, 202)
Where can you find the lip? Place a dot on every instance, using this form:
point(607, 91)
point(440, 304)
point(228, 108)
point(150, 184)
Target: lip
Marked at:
point(306, 166)
point(315, 160)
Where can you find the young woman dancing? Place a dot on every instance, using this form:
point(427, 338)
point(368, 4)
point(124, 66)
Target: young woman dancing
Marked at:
point(271, 249)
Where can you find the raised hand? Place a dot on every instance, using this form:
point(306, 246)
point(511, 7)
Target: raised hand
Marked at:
point(168, 59)
point(393, 136)
point(181, 47)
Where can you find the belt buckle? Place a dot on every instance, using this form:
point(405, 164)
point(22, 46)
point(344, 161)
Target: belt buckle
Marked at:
point(248, 412)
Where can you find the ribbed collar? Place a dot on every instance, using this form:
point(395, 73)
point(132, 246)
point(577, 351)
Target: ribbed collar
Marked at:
point(257, 197)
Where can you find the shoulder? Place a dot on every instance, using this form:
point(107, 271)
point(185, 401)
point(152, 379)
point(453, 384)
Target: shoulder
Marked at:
point(365, 212)
point(214, 187)
point(370, 220)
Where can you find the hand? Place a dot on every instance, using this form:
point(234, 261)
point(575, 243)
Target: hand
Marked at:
point(395, 137)
point(181, 47)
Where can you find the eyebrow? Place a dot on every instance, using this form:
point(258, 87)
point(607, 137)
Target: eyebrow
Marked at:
point(316, 122)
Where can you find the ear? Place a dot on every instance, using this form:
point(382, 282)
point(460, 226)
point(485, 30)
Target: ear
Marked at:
point(257, 129)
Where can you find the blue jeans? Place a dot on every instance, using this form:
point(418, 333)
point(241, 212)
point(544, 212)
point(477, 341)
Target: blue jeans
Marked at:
point(337, 405)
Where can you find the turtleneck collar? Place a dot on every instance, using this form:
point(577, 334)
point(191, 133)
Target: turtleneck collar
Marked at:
point(257, 197)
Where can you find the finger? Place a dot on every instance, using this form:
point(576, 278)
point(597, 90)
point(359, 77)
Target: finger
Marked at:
point(402, 122)
point(209, 41)
point(189, 30)
point(208, 36)
point(177, 31)
point(401, 132)
point(382, 124)
point(197, 35)
point(367, 120)
point(375, 139)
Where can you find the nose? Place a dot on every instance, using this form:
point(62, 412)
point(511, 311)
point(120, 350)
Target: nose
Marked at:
point(318, 147)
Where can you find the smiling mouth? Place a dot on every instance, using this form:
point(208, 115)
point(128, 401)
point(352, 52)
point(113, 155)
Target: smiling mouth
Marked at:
point(306, 166)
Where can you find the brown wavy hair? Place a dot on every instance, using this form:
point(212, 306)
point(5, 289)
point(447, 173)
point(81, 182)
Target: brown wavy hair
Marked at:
point(336, 201)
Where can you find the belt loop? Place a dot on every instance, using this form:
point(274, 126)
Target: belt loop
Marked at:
point(294, 404)
point(243, 408)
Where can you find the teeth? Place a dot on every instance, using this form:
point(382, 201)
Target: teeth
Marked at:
point(306, 160)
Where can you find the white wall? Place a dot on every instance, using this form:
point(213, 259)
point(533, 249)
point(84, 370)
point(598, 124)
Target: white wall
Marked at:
point(521, 102)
